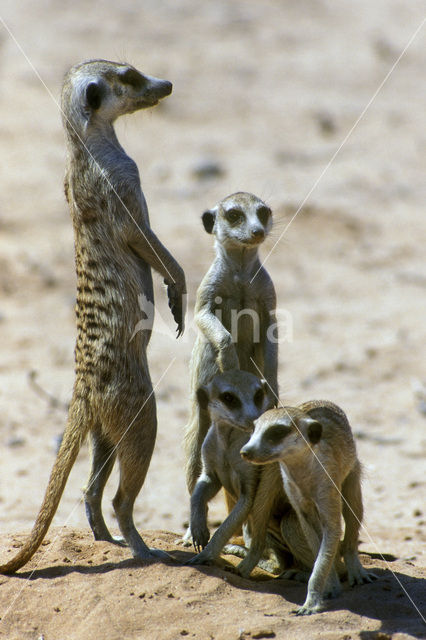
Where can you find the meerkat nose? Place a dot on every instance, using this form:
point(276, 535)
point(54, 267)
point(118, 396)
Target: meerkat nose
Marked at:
point(245, 453)
point(166, 87)
point(258, 233)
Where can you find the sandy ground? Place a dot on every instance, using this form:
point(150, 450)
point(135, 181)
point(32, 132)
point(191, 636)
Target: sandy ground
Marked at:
point(266, 92)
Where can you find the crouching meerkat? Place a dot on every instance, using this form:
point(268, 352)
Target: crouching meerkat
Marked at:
point(115, 249)
point(321, 475)
point(234, 399)
point(235, 313)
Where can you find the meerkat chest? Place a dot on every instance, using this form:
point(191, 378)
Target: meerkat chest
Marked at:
point(299, 499)
point(230, 479)
point(234, 473)
point(238, 306)
point(238, 479)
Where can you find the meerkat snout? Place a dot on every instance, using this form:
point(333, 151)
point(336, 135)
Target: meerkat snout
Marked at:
point(246, 453)
point(258, 233)
point(164, 88)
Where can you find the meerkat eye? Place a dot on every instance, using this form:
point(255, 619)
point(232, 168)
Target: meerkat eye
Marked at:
point(264, 213)
point(277, 433)
point(258, 398)
point(230, 400)
point(133, 78)
point(234, 215)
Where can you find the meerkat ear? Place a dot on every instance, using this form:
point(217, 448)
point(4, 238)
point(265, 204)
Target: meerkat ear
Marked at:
point(94, 95)
point(208, 219)
point(314, 431)
point(269, 395)
point(203, 397)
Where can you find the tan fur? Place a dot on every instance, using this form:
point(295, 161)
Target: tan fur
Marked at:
point(233, 400)
point(115, 249)
point(226, 292)
point(314, 446)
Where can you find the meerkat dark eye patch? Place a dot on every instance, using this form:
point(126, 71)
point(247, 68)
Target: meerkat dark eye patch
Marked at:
point(264, 213)
point(276, 433)
point(234, 216)
point(314, 432)
point(258, 398)
point(94, 95)
point(203, 397)
point(230, 400)
point(133, 78)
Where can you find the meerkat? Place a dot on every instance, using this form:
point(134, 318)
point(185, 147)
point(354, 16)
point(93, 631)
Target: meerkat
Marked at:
point(235, 315)
point(321, 475)
point(233, 399)
point(115, 249)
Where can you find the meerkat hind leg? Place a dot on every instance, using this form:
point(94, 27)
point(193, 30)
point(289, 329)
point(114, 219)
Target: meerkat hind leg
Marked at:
point(195, 432)
point(103, 458)
point(134, 455)
point(295, 539)
point(352, 514)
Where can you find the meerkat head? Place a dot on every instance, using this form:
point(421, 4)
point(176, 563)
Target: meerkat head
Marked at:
point(281, 434)
point(241, 220)
point(99, 90)
point(234, 398)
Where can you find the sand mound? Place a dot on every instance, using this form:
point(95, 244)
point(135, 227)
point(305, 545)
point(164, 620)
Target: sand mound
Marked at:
point(76, 588)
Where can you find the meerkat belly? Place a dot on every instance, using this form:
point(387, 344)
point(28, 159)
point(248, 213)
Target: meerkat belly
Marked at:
point(231, 481)
point(300, 501)
point(110, 303)
point(241, 315)
point(232, 474)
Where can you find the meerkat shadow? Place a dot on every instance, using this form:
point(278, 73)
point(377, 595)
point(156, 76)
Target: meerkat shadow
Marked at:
point(394, 598)
point(62, 570)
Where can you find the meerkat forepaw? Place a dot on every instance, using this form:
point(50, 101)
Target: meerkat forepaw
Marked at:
point(361, 577)
point(308, 609)
point(176, 293)
point(356, 572)
point(200, 538)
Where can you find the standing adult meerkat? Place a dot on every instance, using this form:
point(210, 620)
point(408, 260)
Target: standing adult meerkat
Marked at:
point(115, 249)
point(321, 474)
point(235, 313)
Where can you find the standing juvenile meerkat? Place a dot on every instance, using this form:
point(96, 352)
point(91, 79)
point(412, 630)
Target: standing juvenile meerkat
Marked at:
point(233, 399)
point(235, 314)
point(321, 474)
point(115, 248)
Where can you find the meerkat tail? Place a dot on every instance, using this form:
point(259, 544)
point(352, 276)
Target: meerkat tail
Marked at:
point(65, 459)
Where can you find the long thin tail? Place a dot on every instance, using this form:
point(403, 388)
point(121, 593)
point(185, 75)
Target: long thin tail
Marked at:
point(65, 459)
